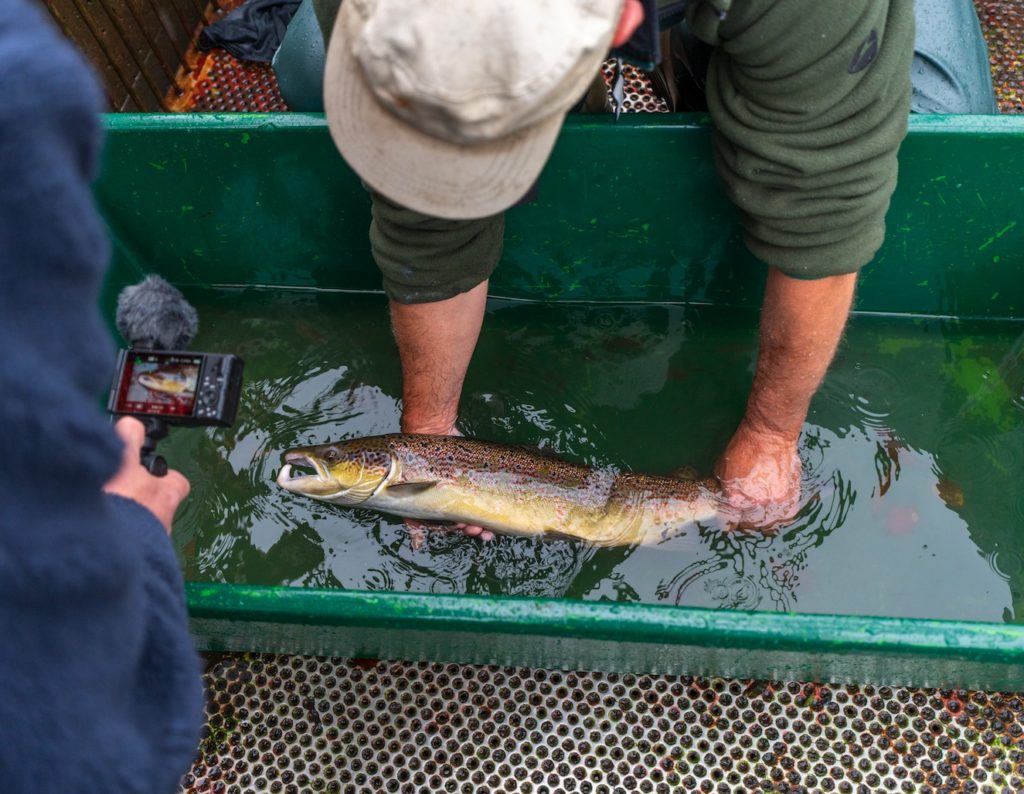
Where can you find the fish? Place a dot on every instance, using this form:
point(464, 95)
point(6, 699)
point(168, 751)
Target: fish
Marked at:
point(173, 382)
point(507, 489)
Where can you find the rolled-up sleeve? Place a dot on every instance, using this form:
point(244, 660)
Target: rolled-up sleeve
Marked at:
point(425, 259)
point(810, 102)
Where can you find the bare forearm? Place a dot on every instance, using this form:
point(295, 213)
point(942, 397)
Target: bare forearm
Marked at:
point(801, 324)
point(435, 344)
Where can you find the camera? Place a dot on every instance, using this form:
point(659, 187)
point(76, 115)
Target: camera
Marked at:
point(179, 387)
point(159, 382)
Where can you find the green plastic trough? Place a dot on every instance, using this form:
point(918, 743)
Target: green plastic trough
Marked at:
point(627, 212)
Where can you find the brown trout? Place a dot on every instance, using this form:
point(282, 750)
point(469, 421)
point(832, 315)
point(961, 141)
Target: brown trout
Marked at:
point(172, 380)
point(506, 489)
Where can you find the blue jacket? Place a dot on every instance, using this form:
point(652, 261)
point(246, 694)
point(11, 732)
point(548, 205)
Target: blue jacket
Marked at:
point(100, 687)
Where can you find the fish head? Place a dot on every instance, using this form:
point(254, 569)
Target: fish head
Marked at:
point(346, 472)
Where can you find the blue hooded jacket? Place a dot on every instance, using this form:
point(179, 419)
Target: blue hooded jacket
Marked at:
point(100, 686)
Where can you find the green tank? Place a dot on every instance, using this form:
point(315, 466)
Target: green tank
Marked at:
point(621, 332)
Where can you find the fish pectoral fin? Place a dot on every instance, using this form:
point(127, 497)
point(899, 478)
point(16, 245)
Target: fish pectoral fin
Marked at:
point(355, 495)
point(410, 488)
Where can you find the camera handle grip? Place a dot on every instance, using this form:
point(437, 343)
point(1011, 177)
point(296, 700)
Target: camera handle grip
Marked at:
point(156, 429)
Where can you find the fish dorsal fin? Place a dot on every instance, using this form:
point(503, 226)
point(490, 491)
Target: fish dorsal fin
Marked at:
point(357, 494)
point(685, 473)
point(410, 488)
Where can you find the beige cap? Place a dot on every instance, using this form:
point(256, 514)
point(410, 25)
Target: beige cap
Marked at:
point(451, 107)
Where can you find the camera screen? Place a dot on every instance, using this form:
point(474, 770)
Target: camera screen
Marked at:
point(159, 384)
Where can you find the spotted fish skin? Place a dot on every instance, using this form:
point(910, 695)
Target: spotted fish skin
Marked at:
point(507, 489)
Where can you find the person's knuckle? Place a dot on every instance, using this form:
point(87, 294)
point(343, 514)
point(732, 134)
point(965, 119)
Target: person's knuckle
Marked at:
point(184, 487)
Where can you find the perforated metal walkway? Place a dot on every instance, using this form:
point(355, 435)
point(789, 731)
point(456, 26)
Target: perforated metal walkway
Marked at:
point(303, 724)
point(1002, 22)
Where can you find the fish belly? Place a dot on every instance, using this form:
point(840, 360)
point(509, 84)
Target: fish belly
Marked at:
point(608, 512)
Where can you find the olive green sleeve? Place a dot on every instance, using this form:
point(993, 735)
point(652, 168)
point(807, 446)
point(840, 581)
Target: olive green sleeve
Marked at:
point(810, 100)
point(326, 12)
point(425, 259)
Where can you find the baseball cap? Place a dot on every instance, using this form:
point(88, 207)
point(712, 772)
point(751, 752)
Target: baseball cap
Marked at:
point(452, 107)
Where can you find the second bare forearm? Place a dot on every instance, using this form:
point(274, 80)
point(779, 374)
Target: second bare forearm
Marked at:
point(801, 324)
point(435, 344)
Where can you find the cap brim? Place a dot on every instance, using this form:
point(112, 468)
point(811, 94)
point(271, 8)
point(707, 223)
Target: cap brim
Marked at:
point(416, 170)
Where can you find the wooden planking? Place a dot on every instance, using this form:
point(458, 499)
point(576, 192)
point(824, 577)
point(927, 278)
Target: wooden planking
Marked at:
point(137, 46)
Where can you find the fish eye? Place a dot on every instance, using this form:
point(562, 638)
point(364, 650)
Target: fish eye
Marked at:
point(331, 455)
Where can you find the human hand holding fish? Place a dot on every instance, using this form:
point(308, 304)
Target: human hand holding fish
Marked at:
point(760, 476)
point(435, 343)
point(160, 495)
point(801, 324)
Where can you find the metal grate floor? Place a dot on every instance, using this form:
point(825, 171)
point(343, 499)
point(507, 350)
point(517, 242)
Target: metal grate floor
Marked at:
point(303, 724)
point(1002, 22)
point(222, 83)
point(216, 81)
point(637, 94)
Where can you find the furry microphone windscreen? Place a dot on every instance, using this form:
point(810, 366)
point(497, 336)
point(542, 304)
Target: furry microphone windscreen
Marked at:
point(155, 315)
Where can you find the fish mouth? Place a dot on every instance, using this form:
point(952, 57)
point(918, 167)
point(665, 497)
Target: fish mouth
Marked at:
point(352, 486)
point(291, 479)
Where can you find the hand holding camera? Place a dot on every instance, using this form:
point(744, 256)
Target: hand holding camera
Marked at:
point(161, 495)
